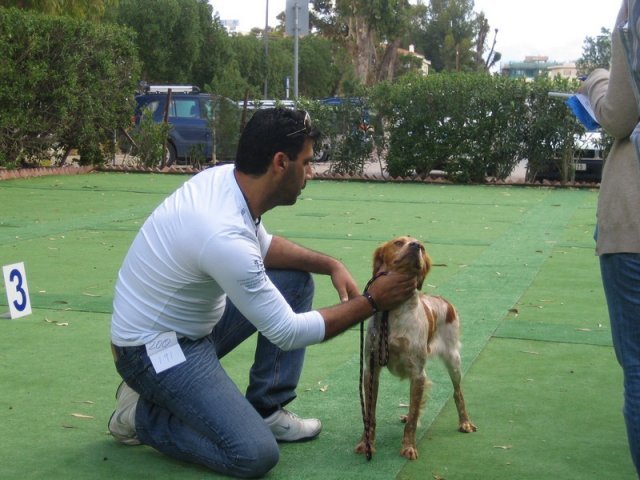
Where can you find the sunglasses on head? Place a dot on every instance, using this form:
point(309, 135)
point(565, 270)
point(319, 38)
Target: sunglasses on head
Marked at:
point(306, 128)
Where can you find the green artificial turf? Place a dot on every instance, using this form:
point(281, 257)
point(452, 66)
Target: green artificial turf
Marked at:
point(541, 381)
point(543, 410)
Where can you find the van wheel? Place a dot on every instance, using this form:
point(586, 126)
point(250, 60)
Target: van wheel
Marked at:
point(170, 155)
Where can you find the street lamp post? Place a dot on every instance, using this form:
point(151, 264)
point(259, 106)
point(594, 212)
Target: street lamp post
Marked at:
point(297, 23)
point(266, 52)
point(296, 49)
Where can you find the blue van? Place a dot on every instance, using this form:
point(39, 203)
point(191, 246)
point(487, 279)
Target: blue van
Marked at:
point(190, 114)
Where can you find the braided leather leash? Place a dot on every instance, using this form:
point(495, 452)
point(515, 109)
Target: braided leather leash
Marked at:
point(383, 360)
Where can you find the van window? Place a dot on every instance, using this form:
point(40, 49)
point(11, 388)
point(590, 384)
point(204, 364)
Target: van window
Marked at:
point(186, 108)
point(208, 108)
point(150, 108)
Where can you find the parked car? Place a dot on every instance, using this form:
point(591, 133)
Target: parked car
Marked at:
point(191, 115)
point(259, 104)
point(588, 160)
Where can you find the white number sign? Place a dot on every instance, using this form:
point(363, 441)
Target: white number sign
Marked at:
point(15, 282)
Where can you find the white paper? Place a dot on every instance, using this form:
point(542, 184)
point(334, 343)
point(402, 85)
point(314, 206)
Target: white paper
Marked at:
point(165, 352)
point(584, 101)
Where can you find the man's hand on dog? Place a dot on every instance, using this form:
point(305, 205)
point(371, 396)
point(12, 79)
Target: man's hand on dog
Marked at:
point(391, 289)
point(388, 291)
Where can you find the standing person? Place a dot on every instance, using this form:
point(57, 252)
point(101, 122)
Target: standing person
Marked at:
point(618, 220)
point(201, 276)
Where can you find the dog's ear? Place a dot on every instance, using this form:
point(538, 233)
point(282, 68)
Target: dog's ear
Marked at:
point(424, 271)
point(378, 259)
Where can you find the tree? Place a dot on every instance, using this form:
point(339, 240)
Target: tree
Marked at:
point(215, 51)
point(245, 70)
point(229, 82)
point(370, 30)
point(448, 34)
point(319, 67)
point(86, 9)
point(172, 36)
point(596, 52)
point(492, 57)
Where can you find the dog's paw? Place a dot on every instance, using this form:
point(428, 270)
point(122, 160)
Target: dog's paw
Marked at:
point(409, 451)
point(362, 449)
point(467, 427)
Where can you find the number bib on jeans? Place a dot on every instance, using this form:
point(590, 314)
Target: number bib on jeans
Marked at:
point(165, 352)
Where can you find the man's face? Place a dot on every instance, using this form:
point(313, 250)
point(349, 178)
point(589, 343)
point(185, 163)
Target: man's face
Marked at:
point(298, 171)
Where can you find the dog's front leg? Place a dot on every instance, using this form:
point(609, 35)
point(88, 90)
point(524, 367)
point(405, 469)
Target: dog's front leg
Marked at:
point(409, 449)
point(370, 385)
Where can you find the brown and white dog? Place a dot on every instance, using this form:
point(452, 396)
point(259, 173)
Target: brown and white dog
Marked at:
point(422, 327)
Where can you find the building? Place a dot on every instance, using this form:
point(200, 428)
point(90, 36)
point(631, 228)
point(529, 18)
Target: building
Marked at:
point(565, 70)
point(420, 59)
point(535, 66)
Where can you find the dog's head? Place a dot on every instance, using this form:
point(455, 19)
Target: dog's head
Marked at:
point(403, 255)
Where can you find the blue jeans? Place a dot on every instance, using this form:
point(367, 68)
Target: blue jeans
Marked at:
point(621, 280)
point(194, 412)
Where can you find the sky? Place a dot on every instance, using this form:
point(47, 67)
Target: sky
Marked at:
point(552, 28)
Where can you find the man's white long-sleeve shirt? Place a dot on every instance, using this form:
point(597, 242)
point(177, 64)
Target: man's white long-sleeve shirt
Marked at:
point(198, 247)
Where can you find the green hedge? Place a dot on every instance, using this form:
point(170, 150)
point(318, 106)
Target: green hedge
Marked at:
point(473, 125)
point(64, 84)
point(348, 132)
point(550, 137)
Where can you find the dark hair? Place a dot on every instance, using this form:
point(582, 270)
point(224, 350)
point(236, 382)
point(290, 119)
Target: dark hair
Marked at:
point(272, 130)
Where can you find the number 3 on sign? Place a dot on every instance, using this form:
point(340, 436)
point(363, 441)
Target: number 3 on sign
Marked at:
point(15, 282)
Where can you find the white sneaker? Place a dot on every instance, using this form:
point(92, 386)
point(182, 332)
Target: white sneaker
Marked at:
point(289, 427)
point(122, 423)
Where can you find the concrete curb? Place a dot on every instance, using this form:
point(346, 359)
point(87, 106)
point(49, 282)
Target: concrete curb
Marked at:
point(326, 175)
point(43, 171)
point(442, 180)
